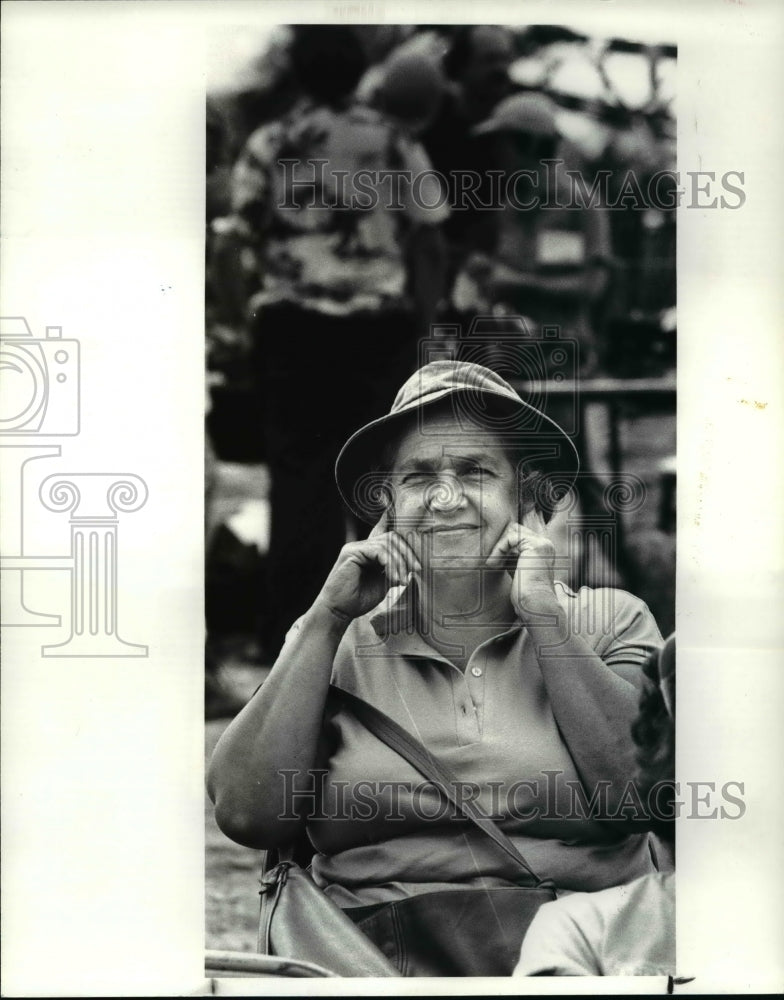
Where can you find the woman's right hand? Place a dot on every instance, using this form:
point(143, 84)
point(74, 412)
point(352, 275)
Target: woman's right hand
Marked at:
point(280, 728)
point(364, 572)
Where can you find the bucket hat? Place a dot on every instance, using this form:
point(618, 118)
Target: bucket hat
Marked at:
point(479, 396)
point(412, 87)
point(532, 113)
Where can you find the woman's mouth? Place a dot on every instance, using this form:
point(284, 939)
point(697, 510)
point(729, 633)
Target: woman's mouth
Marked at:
point(441, 529)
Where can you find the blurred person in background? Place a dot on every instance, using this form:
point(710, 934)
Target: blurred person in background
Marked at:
point(336, 315)
point(407, 88)
point(378, 41)
point(220, 698)
point(614, 105)
point(549, 262)
point(641, 307)
point(628, 930)
point(476, 64)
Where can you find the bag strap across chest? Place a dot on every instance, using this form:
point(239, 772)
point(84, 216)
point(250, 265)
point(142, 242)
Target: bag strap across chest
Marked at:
point(416, 753)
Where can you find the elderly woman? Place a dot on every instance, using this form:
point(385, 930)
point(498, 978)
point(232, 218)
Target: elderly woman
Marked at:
point(449, 620)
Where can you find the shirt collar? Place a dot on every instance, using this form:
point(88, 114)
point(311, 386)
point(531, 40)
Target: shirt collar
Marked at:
point(395, 622)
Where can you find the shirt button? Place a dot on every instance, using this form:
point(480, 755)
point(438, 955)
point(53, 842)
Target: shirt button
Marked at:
point(476, 671)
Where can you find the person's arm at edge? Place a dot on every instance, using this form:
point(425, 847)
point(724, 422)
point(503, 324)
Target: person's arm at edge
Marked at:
point(556, 943)
point(278, 730)
point(238, 231)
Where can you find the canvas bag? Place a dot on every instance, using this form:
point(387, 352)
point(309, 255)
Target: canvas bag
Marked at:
point(455, 932)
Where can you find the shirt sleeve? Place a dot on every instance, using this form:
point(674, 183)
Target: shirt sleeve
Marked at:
point(558, 942)
point(630, 635)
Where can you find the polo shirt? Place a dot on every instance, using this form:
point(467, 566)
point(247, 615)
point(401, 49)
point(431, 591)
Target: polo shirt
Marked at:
point(381, 833)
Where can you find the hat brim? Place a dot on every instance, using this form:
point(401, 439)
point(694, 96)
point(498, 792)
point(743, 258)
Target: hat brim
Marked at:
point(493, 125)
point(519, 427)
point(485, 128)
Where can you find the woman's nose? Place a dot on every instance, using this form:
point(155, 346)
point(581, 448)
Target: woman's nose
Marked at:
point(444, 495)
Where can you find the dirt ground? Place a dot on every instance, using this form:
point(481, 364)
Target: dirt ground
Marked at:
point(231, 871)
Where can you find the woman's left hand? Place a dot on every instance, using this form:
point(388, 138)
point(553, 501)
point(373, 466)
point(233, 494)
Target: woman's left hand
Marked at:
point(529, 556)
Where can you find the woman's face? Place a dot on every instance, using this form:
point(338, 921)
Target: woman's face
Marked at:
point(455, 491)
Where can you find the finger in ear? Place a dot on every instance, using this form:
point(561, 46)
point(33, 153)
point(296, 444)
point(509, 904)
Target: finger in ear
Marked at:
point(380, 526)
point(533, 520)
